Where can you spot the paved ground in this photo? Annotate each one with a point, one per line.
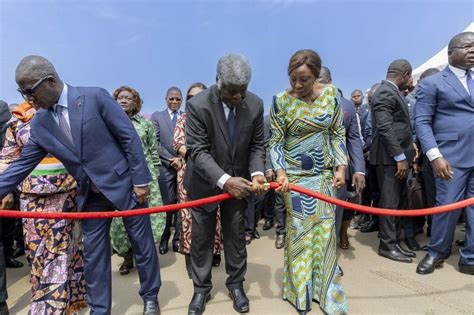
(374, 285)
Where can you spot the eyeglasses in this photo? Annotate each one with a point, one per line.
(410, 88)
(464, 47)
(174, 99)
(31, 91)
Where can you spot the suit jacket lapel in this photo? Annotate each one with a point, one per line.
(168, 121)
(401, 97)
(218, 110)
(51, 124)
(75, 110)
(452, 80)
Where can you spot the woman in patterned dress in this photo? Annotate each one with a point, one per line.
(307, 148)
(129, 99)
(179, 145)
(57, 277)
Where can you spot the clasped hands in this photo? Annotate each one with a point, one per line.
(240, 188)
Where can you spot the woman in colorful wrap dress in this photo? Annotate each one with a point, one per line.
(179, 145)
(307, 148)
(129, 99)
(57, 277)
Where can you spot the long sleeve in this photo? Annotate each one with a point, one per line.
(337, 136)
(11, 149)
(277, 134)
(153, 146)
(179, 138)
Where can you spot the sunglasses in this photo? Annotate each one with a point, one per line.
(174, 99)
(26, 93)
(410, 88)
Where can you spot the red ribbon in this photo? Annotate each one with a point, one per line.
(225, 196)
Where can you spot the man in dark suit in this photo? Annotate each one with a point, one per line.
(224, 135)
(110, 170)
(392, 153)
(165, 123)
(444, 120)
(355, 174)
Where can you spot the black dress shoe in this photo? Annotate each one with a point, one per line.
(151, 308)
(4, 308)
(460, 243)
(216, 260)
(280, 241)
(467, 269)
(19, 251)
(198, 303)
(163, 248)
(428, 264)
(404, 251)
(412, 244)
(11, 262)
(370, 227)
(241, 302)
(267, 225)
(256, 235)
(127, 264)
(175, 246)
(395, 255)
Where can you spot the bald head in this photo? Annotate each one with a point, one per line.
(33, 68)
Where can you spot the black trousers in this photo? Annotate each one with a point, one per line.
(393, 195)
(203, 231)
(169, 194)
(275, 209)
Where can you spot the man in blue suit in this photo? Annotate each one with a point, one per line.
(92, 136)
(356, 169)
(444, 121)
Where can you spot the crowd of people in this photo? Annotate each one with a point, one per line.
(407, 147)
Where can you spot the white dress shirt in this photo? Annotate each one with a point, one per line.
(223, 179)
(434, 153)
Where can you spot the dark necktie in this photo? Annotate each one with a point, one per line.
(63, 124)
(231, 124)
(470, 83)
(175, 118)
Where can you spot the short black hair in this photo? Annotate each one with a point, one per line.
(457, 38)
(399, 66)
(428, 72)
(173, 89)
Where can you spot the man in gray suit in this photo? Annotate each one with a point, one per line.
(165, 123)
(224, 136)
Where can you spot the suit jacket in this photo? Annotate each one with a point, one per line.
(444, 118)
(391, 128)
(353, 142)
(165, 135)
(106, 148)
(211, 152)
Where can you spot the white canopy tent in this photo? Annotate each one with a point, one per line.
(439, 60)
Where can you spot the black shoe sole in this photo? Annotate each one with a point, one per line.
(466, 270)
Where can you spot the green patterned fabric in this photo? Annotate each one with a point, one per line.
(118, 234)
(308, 141)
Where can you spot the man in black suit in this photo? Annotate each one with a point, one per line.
(224, 135)
(392, 153)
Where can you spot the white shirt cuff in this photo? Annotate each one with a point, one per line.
(433, 154)
(361, 173)
(222, 180)
(400, 157)
(256, 173)
(142, 185)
